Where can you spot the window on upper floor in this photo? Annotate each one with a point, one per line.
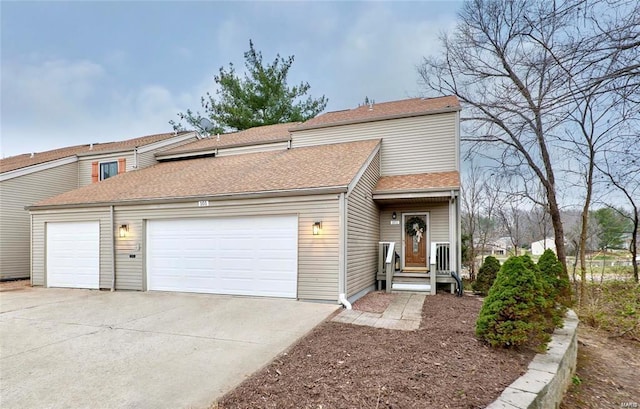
(108, 169)
(105, 170)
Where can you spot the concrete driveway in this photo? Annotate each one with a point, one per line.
(63, 348)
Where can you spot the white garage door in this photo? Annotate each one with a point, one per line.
(73, 254)
(244, 256)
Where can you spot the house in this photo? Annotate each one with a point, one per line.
(538, 247)
(498, 247)
(30, 178)
(306, 211)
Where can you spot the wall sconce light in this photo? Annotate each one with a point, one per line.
(317, 226)
(123, 230)
(394, 216)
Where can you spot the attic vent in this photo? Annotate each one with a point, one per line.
(91, 147)
(33, 154)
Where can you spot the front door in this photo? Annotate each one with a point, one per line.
(415, 241)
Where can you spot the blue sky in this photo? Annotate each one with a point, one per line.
(81, 72)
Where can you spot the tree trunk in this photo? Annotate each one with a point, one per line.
(634, 245)
(554, 210)
(582, 249)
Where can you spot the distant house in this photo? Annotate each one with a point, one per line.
(497, 247)
(538, 247)
(299, 211)
(29, 178)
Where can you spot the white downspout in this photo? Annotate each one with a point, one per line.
(31, 249)
(113, 251)
(343, 300)
(135, 158)
(453, 233)
(342, 258)
(459, 235)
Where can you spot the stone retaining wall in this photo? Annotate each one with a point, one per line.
(549, 374)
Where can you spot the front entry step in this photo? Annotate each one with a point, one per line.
(411, 287)
(403, 273)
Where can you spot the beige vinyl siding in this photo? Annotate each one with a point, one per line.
(409, 145)
(317, 255)
(17, 193)
(363, 231)
(146, 159)
(438, 221)
(84, 164)
(253, 148)
(40, 220)
(129, 250)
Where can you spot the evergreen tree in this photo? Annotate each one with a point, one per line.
(486, 275)
(261, 97)
(514, 313)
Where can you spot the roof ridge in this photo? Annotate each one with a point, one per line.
(379, 111)
(291, 170)
(27, 159)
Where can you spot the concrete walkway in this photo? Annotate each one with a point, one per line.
(404, 313)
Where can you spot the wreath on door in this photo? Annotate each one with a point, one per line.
(415, 227)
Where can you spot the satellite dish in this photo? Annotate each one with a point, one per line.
(206, 125)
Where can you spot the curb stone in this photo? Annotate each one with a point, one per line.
(549, 374)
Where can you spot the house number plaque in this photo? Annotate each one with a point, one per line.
(203, 203)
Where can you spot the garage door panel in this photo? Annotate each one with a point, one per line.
(73, 254)
(271, 267)
(243, 256)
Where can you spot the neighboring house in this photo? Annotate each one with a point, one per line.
(498, 247)
(291, 210)
(30, 178)
(538, 247)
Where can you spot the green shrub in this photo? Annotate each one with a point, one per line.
(486, 275)
(514, 313)
(550, 272)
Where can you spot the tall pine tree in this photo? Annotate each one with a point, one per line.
(260, 97)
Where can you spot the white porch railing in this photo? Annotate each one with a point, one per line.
(440, 258)
(439, 265)
(386, 260)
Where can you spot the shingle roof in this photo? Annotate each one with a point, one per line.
(381, 111)
(25, 160)
(323, 166)
(418, 182)
(254, 136)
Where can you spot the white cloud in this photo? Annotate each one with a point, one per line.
(52, 102)
(57, 103)
(379, 53)
(50, 90)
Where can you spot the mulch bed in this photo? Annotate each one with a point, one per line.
(376, 302)
(441, 365)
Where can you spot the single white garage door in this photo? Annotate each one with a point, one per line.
(73, 254)
(243, 256)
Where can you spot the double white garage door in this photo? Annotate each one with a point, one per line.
(244, 256)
